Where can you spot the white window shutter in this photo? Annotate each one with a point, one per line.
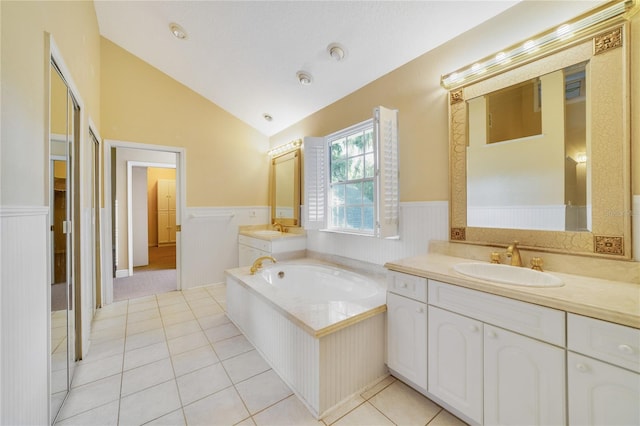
(386, 131)
(315, 182)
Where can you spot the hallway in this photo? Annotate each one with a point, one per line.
(175, 359)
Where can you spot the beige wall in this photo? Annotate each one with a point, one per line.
(225, 159)
(25, 69)
(414, 89)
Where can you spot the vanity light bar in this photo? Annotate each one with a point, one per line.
(522, 52)
(290, 146)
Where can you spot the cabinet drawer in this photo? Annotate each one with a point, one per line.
(531, 320)
(255, 243)
(613, 343)
(407, 285)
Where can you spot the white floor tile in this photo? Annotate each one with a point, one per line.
(382, 384)
(142, 326)
(175, 308)
(213, 321)
(222, 408)
(110, 323)
(146, 376)
(195, 359)
(90, 396)
(187, 343)
(146, 355)
(149, 404)
(246, 365)
(104, 349)
(105, 415)
(146, 338)
(90, 371)
(147, 314)
(177, 317)
(222, 332)
(201, 383)
(405, 406)
(206, 311)
(445, 418)
(288, 412)
(366, 414)
(263, 390)
(182, 328)
(233, 346)
(175, 418)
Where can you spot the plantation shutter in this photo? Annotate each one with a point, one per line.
(386, 131)
(315, 182)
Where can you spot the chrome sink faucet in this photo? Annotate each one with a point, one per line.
(514, 253)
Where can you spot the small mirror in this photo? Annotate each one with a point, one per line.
(285, 188)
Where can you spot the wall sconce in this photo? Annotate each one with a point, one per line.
(581, 157)
(281, 149)
(542, 43)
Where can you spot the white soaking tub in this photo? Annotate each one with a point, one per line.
(320, 327)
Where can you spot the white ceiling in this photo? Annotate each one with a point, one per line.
(244, 55)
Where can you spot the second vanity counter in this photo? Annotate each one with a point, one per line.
(614, 301)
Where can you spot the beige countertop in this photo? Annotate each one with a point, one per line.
(258, 232)
(614, 301)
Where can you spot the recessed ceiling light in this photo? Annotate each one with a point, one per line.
(267, 117)
(336, 51)
(304, 78)
(177, 31)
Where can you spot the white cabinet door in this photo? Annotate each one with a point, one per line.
(524, 380)
(455, 361)
(407, 338)
(246, 255)
(602, 394)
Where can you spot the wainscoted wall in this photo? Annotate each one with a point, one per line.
(209, 241)
(24, 318)
(419, 223)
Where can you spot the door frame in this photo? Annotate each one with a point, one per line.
(130, 166)
(181, 202)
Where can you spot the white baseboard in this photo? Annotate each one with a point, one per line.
(122, 273)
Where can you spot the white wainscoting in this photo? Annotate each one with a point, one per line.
(420, 222)
(24, 316)
(209, 241)
(323, 372)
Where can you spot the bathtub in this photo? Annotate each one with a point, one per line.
(320, 327)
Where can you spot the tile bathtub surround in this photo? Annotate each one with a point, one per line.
(176, 359)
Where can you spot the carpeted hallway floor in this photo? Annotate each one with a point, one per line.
(159, 276)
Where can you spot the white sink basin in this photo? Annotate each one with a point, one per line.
(507, 274)
(267, 233)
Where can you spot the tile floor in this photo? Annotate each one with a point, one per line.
(176, 359)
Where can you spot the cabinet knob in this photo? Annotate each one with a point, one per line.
(492, 334)
(626, 349)
(420, 310)
(473, 328)
(582, 367)
(403, 285)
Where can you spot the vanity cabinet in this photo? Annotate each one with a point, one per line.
(524, 380)
(603, 363)
(407, 327)
(455, 361)
(504, 373)
(251, 248)
(491, 359)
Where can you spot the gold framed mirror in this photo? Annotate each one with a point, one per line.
(285, 188)
(601, 56)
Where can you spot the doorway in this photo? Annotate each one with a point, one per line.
(130, 183)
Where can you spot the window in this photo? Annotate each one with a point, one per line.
(351, 178)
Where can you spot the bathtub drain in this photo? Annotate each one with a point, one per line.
(281, 274)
